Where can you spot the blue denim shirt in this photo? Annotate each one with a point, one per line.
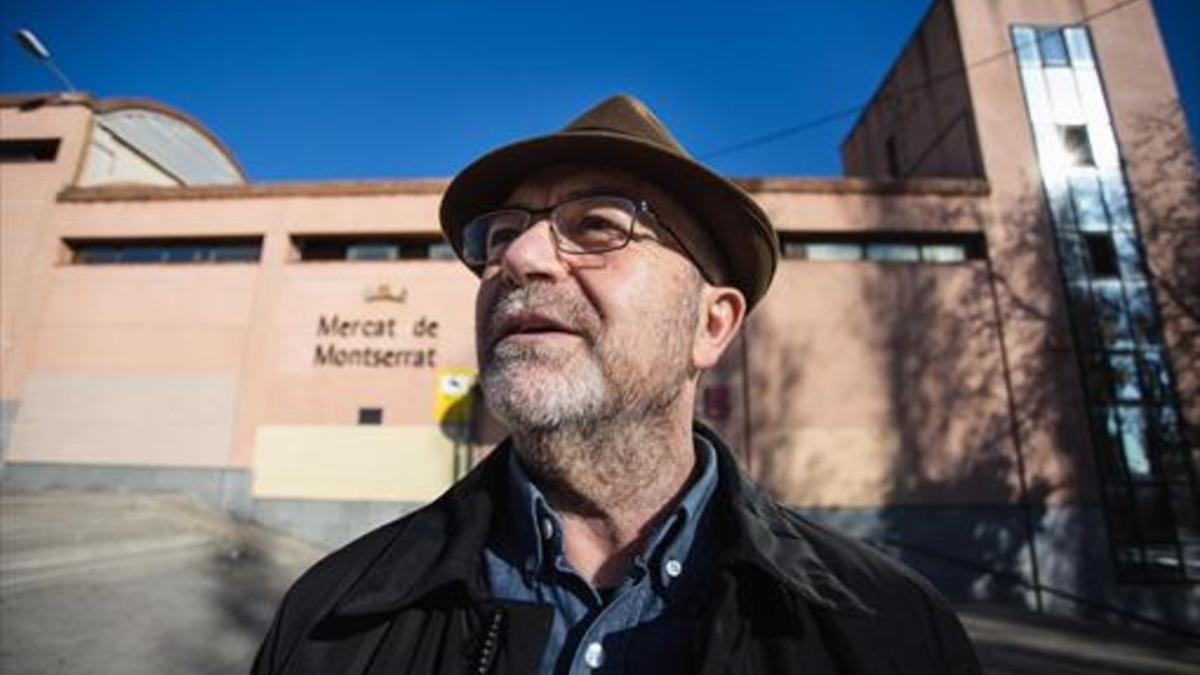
(641, 625)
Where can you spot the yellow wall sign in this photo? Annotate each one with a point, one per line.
(452, 401)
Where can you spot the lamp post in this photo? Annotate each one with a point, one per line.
(31, 44)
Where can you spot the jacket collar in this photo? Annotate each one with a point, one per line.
(441, 546)
(761, 535)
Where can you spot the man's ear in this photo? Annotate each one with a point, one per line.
(722, 310)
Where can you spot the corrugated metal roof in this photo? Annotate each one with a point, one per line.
(173, 145)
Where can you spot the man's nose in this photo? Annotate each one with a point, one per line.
(533, 254)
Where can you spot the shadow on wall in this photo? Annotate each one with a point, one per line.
(992, 488)
(776, 377)
(1166, 183)
(978, 427)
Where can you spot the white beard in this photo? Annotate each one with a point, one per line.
(533, 389)
(579, 383)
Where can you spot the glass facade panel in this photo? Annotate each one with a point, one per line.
(832, 251)
(1089, 205)
(1051, 154)
(1133, 441)
(1167, 428)
(1125, 377)
(1063, 96)
(1027, 49)
(1091, 96)
(943, 253)
(1141, 314)
(1156, 383)
(1148, 481)
(186, 253)
(143, 254)
(1053, 48)
(1129, 258)
(1073, 255)
(372, 252)
(1037, 99)
(1112, 322)
(894, 252)
(1078, 46)
(96, 255)
(441, 251)
(173, 251)
(243, 253)
(1104, 147)
(1113, 187)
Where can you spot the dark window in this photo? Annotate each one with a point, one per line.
(1077, 144)
(1053, 48)
(169, 250)
(929, 247)
(370, 415)
(371, 247)
(1102, 256)
(17, 150)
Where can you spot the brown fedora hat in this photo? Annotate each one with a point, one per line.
(734, 244)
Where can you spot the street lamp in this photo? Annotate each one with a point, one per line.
(30, 43)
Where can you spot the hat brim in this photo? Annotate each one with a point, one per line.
(736, 225)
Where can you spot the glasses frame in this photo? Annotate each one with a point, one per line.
(550, 214)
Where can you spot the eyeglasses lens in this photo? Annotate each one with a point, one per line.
(594, 225)
(588, 225)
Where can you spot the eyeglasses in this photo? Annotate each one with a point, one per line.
(580, 226)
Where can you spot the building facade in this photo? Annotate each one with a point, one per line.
(980, 351)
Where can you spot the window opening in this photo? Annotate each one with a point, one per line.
(887, 247)
(1077, 144)
(21, 150)
(180, 250)
(1102, 256)
(370, 247)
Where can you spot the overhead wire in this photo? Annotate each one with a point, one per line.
(779, 134)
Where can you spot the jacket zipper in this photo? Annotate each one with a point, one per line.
(490, 645)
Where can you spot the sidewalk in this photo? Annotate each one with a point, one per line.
(1014, 641)
(133, 584)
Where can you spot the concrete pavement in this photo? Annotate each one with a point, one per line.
(133, 584)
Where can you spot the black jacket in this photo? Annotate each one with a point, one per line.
(788, 596)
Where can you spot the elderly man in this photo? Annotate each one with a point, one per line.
(610, 533)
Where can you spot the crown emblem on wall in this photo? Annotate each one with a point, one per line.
(385, 292)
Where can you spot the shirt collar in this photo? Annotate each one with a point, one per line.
(441, 544)
(535, 530)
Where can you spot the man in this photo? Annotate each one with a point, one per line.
(610, 533)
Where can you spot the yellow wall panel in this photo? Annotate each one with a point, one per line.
(409, 463)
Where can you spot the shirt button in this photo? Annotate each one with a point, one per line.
(593, 655)
(674, 568)
(547, 528)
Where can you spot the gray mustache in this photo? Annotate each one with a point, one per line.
(554, 303)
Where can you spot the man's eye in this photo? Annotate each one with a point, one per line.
(596, 224)
(502, 236)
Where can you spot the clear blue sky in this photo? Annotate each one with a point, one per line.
(306, 90)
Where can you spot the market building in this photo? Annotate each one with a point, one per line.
(980, 351)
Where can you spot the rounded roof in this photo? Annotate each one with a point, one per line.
(171, 138)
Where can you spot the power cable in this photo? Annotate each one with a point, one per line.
(822, 120)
